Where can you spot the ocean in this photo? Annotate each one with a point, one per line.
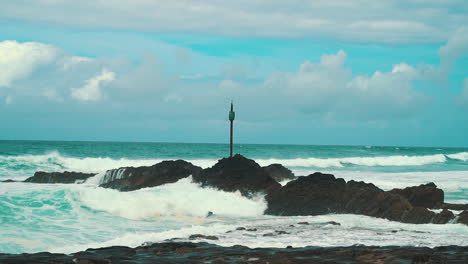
(72, 217)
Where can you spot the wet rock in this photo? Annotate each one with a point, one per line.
(185, 252)
(251, 229)
(418, 215)
(443, 217)
(199, 236)
(456, 207)
(279, 173)
(130, 178)
(333, 223)
(59, 177)
(240, 228)
(424, 195)
(237, 174)
(9, 180)
(303, 223)
(281, 232)
(463, 218)
(320, 193)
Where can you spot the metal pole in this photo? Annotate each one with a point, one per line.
(232, 116)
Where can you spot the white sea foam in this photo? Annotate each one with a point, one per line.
(362, 161)
(25, 165)
(183, 198)
(459, 156)
(354, 229)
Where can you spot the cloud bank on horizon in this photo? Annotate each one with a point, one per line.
(314, 72)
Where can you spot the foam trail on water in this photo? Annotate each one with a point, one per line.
(459, 156)
(183, 198)
(362, 161)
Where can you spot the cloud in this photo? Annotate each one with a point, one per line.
(463, 98)
(19, 60)
(392, 21)
(92, 89)
(329, 87)
(457, 45)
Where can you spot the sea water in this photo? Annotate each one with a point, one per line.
(73, 217)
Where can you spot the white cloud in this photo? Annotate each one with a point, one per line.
(19, 60)
(92, 89)
(385, 21)
(328, 86)
(456, 46)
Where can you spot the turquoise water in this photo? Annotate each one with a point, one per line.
(67, 218)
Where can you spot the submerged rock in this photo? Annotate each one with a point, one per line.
(424, 195)
(59, 177)
(199, 236)
(237, 174)
(279, 173)
(130, 178)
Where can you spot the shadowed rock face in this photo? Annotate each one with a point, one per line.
(424, 195)
(237, 174)
(130, 178)
(59, 177)
(443, 217)
(322, 193)
(463, 218)
(184, 252)
(279, 173)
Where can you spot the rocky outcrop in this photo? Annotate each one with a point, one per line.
(424, 195)
(130, 178)
(443, 217)
(185, 252)
(456, 207)
(59, 177)
(321, 193)
(279, 173)
(237, 174)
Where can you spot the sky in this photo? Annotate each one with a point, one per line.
(327, 72)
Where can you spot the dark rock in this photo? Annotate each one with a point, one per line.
(334, 223)
(443, 217)
(251, 229)
(59, 177)
(199, 236)
(424, 195)
(321, 193)
(184, 252)
(463, 218)
(269, 234)
(279, 172)
(130, 178)
(240, 228)
(456, 207)
(303, 223)
(281, 232)
(237, 174)
(9, 180)
(418, 215)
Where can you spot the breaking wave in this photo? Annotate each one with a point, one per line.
(25, 165)
(181, 199)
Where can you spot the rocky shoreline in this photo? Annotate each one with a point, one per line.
(315, 194)
(187, 253)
